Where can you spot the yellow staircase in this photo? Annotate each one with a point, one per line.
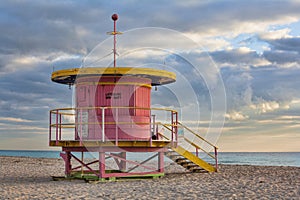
(188, 160)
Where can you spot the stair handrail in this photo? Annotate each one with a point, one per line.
(203, 139)
(162, 135)
(198, 147)
(190, 130)
(195, 145)
(197, 135)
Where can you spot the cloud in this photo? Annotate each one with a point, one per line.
(275, 34)
(263, 106)
(240, 57)
(55, 26)
(31, 27)
(12, 119)
(236, 116)
(282, 57)
(286, 44)
(24, 128)
(238, 86)
(234, 17)
(289, 117)
(262, 142)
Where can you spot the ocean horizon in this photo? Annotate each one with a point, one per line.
(228, 158)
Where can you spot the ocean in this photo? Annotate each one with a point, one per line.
(234, 158)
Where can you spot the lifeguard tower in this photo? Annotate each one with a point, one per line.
(113, 116)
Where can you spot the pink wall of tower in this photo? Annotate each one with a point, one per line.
(113, 91)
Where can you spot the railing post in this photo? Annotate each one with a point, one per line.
(59, 126)
(150, 125)
(50, 128)
(82, 157)
(156, 131)
(172, 127)
(176, 128)
(153, 125)
(103, 123)
(75, 123)
(117, 126)
(151, 130)
(216, 157)
(80, 139)
(56, 128)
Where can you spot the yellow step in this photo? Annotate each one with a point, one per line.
(188, 155)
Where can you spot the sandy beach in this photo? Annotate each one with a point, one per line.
(30, 178)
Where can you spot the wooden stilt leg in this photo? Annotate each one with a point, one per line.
(67, 158)
(123, 163)
(161, 162)
(101, 164)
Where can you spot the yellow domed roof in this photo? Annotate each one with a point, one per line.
(157, 76)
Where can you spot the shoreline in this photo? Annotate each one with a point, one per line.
(220, 164)
(30, 178)
(292, 159)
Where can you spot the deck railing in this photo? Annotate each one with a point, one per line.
(74, 119)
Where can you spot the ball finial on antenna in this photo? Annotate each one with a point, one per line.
(115, 17)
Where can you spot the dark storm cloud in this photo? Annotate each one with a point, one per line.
(272, 83)
(75, 26)
(250, 78)
(224, 15)
(282, 57)
(282, 51)
(30, 94)
(269, 83)
(238, 87)
(236, 56)
(286, 44)
(34, 26)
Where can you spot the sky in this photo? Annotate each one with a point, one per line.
(248, 48)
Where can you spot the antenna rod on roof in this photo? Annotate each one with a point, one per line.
(114, 33)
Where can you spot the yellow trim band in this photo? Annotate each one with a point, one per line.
(115, 83)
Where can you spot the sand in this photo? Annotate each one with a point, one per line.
(30, 178)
